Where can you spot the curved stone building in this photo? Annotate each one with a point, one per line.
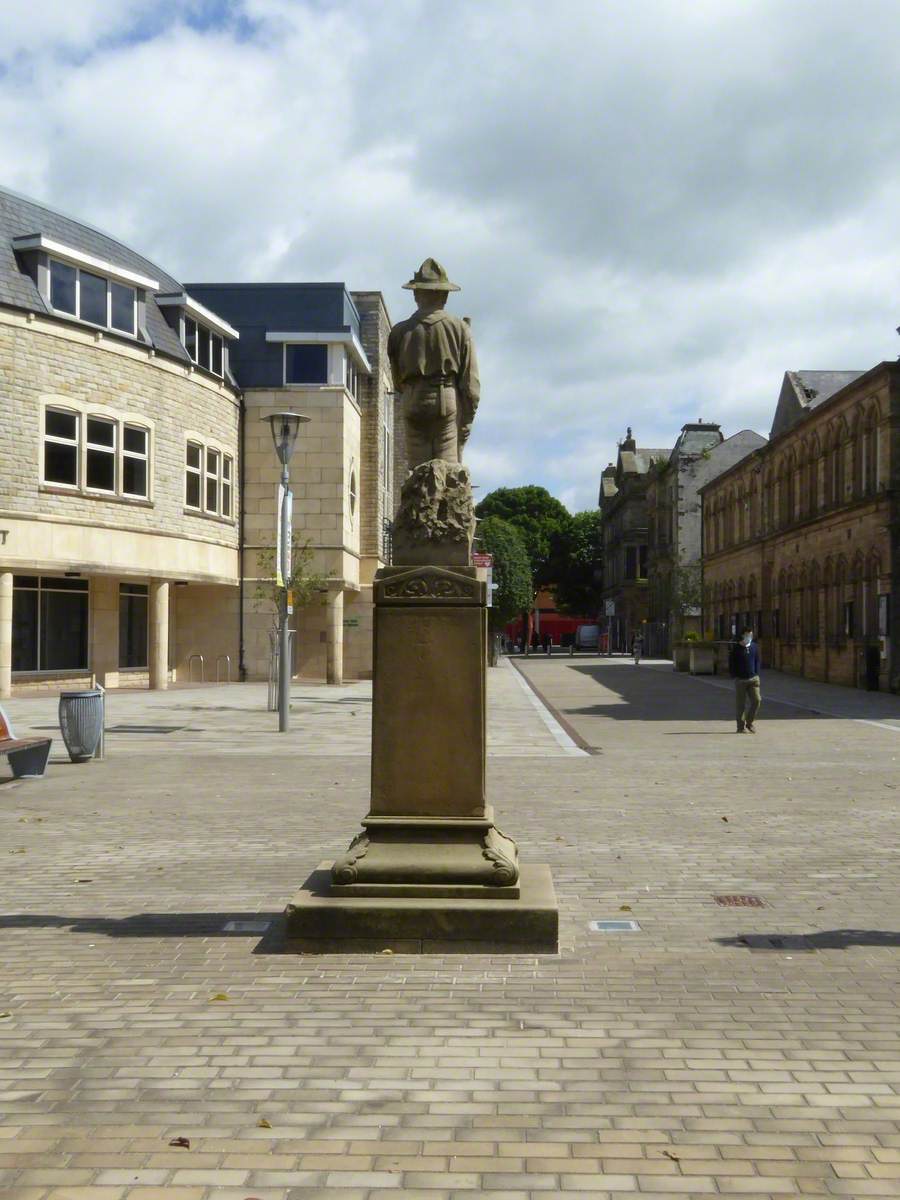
(138, 479)
(119, 444)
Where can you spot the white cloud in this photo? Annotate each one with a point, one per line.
(653, 210)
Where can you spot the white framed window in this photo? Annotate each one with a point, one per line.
(305, 362)
(61, 447)
(135, 460)
(100, 455)
(208, 479)
(95, 453)
(227, 468)
(204, 347)
(103, 302)
(193, 476)
(212, 502)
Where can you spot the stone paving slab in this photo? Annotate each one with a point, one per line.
(331, 721)
(732, 1052)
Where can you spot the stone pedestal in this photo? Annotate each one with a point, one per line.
(430, 869)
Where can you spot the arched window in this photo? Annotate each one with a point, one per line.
(871, 576)
(809, 600)
(753, 523)
(812, 477)
(869, 453)
(839, 614)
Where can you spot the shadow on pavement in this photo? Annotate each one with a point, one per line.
(827, 939)
(659, 694)
(149, 924)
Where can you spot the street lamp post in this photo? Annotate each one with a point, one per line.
(285, 427)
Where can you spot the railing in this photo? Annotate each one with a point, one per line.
(226, 658)
(191, 661)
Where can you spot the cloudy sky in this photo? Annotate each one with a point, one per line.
(654, 208)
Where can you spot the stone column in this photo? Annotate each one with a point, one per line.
(159, 634)
(6, 611)
(334, 638)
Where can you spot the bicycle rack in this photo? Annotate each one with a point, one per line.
(227, 660)
(191, 668)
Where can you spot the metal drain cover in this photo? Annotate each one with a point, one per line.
(739, 901)
(614, 927)
(246, 926)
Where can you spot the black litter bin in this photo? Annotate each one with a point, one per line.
(81, 722)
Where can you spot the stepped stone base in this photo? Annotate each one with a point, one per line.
(328, 918)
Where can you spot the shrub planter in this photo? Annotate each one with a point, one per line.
(81, 722)
(703, 658)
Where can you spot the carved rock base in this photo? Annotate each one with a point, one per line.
(397, 852)
(435, 522)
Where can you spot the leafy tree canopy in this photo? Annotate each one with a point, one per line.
(512, 570)
(574, 564)
(304, 583)
(536, 515)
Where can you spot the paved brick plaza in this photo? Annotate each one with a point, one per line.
(739, 1052)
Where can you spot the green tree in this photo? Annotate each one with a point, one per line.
(574, 564)
(306, 585)
(536, 515)
(512, 571)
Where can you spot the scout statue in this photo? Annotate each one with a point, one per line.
(433, 363)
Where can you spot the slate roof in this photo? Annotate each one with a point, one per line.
(802, 391)
(815, 387)
(638, 462)
(255, 309)
(20, 216)
(695, 439)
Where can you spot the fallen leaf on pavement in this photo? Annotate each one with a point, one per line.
(669, 1154)
(86, 879)
(262, 1123)
(220, 996)
(4, 1015)
(624, 908)
(725, 819)
(387, 952)
(182, 1142)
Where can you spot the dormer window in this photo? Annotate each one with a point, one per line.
(91, 297)
(201, 332)
(75, 284)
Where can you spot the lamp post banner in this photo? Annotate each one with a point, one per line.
(284, 536)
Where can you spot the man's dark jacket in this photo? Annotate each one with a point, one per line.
(743, 661)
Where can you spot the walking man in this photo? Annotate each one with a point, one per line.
(637, 648)
(743, 665)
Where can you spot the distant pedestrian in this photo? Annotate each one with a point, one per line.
(535, 641)
(743, 666)
(547, 643)
(637, 648)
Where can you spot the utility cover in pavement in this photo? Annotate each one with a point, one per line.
(614, 927)
(246, 926)
(739, 901)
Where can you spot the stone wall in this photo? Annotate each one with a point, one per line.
(801, 529)
(42, 360)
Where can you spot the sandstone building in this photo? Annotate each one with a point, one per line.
(800, 538)
(624, 605)
(137, 479)
(674, 567)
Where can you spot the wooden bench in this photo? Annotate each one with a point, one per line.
(27, 756)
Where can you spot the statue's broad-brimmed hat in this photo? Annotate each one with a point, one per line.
(431, 277)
